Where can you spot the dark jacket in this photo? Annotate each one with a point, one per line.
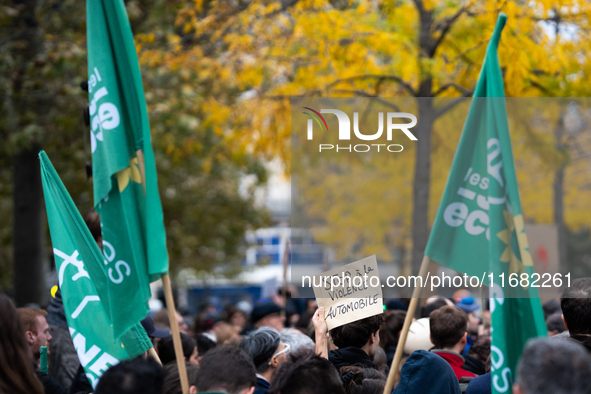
(262, 386)
(584, 340)
(474, 365)
(480, 385)
(50, 385)
(350, 356)
(427, 373)
(390, 350)
(62, 358)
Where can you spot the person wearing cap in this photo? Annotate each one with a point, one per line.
(155, 334)
(470, 306)
(267, 314)
(268, 352)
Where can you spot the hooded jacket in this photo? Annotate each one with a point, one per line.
(350, 356)
(427, 373)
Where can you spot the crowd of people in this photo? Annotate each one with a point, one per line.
(285, 348)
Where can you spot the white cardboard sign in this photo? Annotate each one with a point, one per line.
(349, 293)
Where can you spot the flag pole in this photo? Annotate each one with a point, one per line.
(168, 298)
(416, 294)
(176, 336)
(154, 355)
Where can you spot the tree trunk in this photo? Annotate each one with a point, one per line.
(421, 182)
(29, 272)
(558, 189)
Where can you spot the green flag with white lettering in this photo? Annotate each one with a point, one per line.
(479, 228)
(124, 171)
(79, 262)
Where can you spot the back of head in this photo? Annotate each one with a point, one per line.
(306, 373)
(356, 334)
(555, 324)
(448, 325)
(392, 328)
(551, 307)
(480, 349)
(227, 369)
(554, 367)
(16, 369)
(358, 380)
(261, 344)
(432, 305)
(172, 380)
(576, 306)
(135, 376)
(426, 372)
(204, 344)
(166, 348)
(296, 340)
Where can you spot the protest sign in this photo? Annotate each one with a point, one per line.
(349, 293)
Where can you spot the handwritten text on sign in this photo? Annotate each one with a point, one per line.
(349, 293)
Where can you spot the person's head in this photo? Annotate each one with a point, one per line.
(16, 370)
(306, 373)
(204, 345)
(162, 320)
(172, 380)
(266, 349)
(35, 328)
(135, 376)
(226, 333)
(390, 334)
(551, 307)
(359, 380)
(549, 366)
(448, 326)
(166, 353)
(226, 369)
(480, 349)
(237, 317)
(555, 324)
(267, 314)
(296, 340)
(433, 303)
(363, 334)
(576, 306)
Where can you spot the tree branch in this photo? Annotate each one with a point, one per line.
(443, 109)
(465, 92)
(380, 78)
(443, 26)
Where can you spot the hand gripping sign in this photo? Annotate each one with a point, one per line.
(349, 293)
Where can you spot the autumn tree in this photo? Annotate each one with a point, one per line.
(246, 59)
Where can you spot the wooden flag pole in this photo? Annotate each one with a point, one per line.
(154, 355)
(174, 325)
(416, 294)
(176, 336)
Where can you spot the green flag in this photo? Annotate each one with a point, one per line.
(479, 227)
(79, 262)
(134, 240)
